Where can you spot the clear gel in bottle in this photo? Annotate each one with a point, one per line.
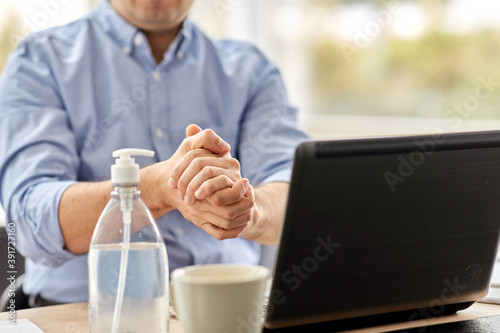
(128, 265)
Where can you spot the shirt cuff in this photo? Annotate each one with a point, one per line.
(280, 176)
(41, 238)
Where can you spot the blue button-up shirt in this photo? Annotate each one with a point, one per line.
(71, 95)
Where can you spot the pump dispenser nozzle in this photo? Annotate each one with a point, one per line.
(125, 173)
(125, 170)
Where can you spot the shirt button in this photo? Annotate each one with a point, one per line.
(157, 76)
(138, 40)
(126, 50)
(180, 54)
(159, 133)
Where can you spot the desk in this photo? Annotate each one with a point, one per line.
(73, 318)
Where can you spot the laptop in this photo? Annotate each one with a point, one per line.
(386, 229)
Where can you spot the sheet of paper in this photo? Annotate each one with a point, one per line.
(21, 326)
(494, 292)
(495, 277)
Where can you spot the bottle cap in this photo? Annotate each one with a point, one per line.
(125, 170)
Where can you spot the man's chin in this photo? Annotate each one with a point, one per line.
(155, 4)
(157, 21)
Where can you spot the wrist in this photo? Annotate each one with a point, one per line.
(255, 230)
(154, 190)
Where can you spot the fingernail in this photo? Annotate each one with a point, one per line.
(246, 183)
(189, 200)
(171, 182)
(181, 195)
(199, 194)
(223, 145)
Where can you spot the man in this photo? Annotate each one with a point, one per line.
(136, 73)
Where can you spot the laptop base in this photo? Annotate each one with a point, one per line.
(375, 320)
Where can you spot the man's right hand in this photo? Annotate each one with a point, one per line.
(229, 215)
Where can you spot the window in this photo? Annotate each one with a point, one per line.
(376, 67)
(20, 18)
(353, 68)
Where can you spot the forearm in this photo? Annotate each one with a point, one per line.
(81, 206)
(79, 209)
(270, 203)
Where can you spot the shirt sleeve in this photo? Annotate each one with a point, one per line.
(38, 158)
(269, 129)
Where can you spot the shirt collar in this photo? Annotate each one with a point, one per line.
(124, 33)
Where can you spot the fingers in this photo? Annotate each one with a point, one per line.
(221, 222)
(229, 195)
(206, 175)
(229, 222)
(206, 139)
(214, 196)
(221, 234)
(213, 185)
(202, 164)
(192, 130)
(226, 217)
(244, 216)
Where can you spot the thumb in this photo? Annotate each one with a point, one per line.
(192, 130)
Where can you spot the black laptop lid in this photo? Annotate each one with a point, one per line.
(381, 225)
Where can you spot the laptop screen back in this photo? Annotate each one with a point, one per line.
(382, 225)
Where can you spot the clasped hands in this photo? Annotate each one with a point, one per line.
(210, 191)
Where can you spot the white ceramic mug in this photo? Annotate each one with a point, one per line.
(223, 298)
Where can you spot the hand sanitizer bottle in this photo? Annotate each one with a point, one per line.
(128, 265)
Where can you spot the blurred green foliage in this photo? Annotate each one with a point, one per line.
(11, 31)
(8, 37)
(401, 77)
(420, 77)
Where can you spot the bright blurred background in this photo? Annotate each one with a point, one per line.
(353, 67)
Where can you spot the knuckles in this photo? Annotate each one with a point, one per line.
(219, 235)
(192, 155)
(228, 214)
(181, 185)
(248, 215)
(209, 135)
(198, 163)
(209, 187)
(209, 171)
(232, 216)
(234, 163)
(217, 201)
(222, 234)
